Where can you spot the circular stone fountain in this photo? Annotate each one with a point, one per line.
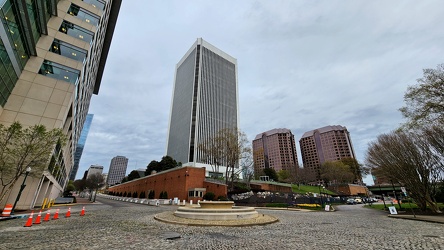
(216, 210)
(216, 213)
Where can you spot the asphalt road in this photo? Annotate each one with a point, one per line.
(117, 225)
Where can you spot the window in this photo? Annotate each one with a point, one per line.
(96, 4)
(196, 192)
(83, 15)
(76, 31)
(60, 72)
(68, 50)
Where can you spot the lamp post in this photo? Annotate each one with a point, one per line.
(320, 195)
(28, 170)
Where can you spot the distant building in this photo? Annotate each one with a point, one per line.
(117, 170)
(80, 146)
(94, 169)
(141, 172)
(330, 143)
(275, 149)
(205, 100)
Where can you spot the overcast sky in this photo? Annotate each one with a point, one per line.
(302, 65)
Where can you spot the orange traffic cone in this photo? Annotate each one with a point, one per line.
(48, 214)
(29, 222)
(56, 215)
(37, 220)
(82, 213)
(68, 214)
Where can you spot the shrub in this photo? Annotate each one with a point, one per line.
(151, 194)
(276, 205)
(209, 196)
(222, 198)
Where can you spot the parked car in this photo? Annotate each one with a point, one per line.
(351, 201)
(358, 200)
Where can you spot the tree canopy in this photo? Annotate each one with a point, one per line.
(133, 175)
(271, 173)
(336, 172)
(166, 163)
(21, 148)
(425, 101)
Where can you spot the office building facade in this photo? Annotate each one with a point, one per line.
(205, 101)
(53, 55)
(117, 170)
(275, 149)
(330, 143)
(94, 169)
(80, 146)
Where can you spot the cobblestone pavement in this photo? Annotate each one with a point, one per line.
(133, 227)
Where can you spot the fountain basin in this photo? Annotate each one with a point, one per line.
(216, 210)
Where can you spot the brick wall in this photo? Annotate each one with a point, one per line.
(176, 182)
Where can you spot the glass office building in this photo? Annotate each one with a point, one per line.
(52, 57)
(80, 146)
(205, 100)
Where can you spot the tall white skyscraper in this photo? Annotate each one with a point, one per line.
(117, 170)
(205, 100)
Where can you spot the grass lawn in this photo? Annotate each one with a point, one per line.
(303, 189)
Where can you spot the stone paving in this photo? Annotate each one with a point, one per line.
(134, 227)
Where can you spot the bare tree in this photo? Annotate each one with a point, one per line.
(225, 149)
(21, 148)
(212, 151)
(425, 101)
(94, 182)
(302, 176)
(408, 158)
(247, 165)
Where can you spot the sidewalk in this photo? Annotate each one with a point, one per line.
(25, 213)
(427, 218)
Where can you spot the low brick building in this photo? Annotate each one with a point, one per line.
(185, 183)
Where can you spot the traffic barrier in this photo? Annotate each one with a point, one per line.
(37, 220)
(7, 210)
(44, 203)
(29, 221)
(48, 214)
(56, 215)
(82, 213)
(68, 214)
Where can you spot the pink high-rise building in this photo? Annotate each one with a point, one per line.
(330, 143)
(275, 149)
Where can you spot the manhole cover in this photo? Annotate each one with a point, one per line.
(171, 235)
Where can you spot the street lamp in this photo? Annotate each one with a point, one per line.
(28, 170)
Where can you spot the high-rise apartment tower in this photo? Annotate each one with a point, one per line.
(275, 149)
(205, 100)
(117, 170)
(53, 55)
(330, 143)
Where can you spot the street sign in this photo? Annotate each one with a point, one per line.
(404, 191)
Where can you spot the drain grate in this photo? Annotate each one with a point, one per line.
(431, 236)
